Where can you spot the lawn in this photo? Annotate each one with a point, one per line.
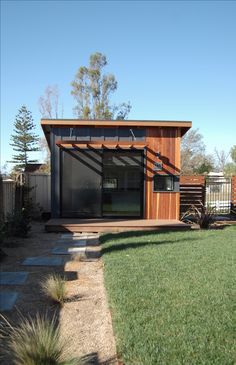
(172, 296)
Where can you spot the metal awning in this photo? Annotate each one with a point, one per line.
(102, 144)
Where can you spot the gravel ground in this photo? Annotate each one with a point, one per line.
(85, 318)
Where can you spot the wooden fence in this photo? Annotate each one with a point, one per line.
(36, 187)
(39, 186)
(192, 191)
(8, 197)
(233, 194)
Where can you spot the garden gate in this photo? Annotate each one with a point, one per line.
(218, 193)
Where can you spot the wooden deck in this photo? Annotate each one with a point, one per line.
(112, 225)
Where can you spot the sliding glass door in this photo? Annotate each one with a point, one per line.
(81, 182)
(122, 184)
(96, 183)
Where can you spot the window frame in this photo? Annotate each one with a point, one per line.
(175, 188)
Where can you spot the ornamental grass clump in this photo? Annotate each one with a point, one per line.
(54, 287)
(36, 342)
(201, 215)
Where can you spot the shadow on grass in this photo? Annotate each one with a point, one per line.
(130, 245)
(123, 235)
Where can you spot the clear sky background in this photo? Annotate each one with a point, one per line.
(173, 60)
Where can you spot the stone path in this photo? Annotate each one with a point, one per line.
(13, 278)
(69, 244)
(7, 300)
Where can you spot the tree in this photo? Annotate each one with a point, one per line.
(194, 160)
(230, 167)
(45, 155)
(92, 90)
(221, 159)
(49, 103)
(24, 140)
(206, 166)
(233, 153)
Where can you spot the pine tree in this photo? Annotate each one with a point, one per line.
(24, 140)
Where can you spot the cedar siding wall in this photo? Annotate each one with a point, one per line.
(166, 141)
(233, 194)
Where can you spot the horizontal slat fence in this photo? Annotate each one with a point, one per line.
(192, 191)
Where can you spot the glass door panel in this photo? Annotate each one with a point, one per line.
(81, 183)
(122, 184)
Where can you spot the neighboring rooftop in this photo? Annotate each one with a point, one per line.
(33, 167)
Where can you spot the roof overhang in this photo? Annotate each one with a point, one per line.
(101, 145)
(47, 124)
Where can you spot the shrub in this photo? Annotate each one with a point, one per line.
(202, 215)
(36, 342)
(2, 231)
(19, 223)
(54, 287)
(2, 236)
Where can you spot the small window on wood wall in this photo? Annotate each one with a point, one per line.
(163, 183)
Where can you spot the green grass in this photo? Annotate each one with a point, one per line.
(172, 296)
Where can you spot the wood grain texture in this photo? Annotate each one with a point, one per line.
(233, 193)
(112, 225)
(166, 141)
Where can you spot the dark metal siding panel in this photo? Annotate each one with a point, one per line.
(55, 175)
(109, 133)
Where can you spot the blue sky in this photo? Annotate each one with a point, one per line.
(173, 60)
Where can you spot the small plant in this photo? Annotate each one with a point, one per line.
(36, 342)
(202, 215)
(54, 287)
(2, 237)
(19, 224)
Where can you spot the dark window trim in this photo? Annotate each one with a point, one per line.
(175, 184)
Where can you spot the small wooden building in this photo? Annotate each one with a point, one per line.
(115, 168)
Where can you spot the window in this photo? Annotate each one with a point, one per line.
(163, 183)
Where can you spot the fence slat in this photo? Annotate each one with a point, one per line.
(8, 197)
(192, 191)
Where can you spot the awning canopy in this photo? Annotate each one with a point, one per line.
(102, 144)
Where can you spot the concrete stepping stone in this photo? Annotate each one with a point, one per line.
(43, 261)
(69, 235)
(67, 239)
(7, 300)
(67, 250)
(77, 243)
(13, 278)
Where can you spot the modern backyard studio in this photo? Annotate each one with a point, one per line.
(113, 175)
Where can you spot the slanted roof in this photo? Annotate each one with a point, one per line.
(47, 124)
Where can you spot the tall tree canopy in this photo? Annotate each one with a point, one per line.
(49, 103)
(92, 90)
(24, 140)
(194, 160)
(230, 167)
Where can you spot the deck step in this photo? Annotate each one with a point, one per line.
(73, 226)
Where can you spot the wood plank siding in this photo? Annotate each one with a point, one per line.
(233, 194)
(166, 141)
(158, 140)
